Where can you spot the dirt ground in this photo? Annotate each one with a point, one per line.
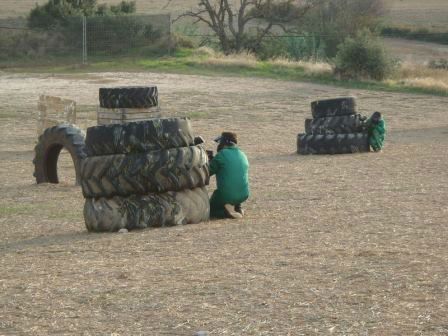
(342, 245)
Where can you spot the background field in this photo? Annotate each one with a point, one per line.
(342, 245)
(430, 13)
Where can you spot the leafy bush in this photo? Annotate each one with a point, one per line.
(115, 34)
(30, 44)
(181, 41)
(57, 12)
(362, 57)
(335, 20)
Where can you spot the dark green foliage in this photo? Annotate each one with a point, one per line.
(412, 33)
(362, 57)
(336, 20)
(108, 34)
(56, 12)
(52, 14)
(58, 30)
(31, 44)
(124, 7)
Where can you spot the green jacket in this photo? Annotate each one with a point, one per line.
(376, 133)
(232, 174)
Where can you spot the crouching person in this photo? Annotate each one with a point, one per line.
(231, 168)
(376, 128)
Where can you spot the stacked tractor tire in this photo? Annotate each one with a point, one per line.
(142, 174)
(336, 128)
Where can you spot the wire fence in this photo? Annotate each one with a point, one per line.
(81, 39)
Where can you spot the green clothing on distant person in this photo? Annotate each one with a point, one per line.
(377, 134)
(232, 177)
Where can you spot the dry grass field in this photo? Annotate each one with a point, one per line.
(13, 8)
(415, 51)
(331, 245)
(429, 13)
(432, 13)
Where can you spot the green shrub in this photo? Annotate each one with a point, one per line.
(55, 13)
(182, 41)
(362, 57)
(116, 34)
(31, 44)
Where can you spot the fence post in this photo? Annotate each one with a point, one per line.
(170, 41)
(84, 40)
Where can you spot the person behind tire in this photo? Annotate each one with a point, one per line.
(376, 128)
(231, 168)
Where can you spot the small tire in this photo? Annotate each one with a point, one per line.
(48, 148)
(335, 125)
(154, 210)
(143, 173)
(139, 137)
(333, 107)
(129, 97)
(332, 143)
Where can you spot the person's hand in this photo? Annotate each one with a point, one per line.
(198, 140)
(210, 155)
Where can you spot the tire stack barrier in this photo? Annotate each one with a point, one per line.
(128, 104)
(144, 174)
(48, 148)
(336, 128)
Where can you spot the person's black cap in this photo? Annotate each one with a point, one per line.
(227, 138)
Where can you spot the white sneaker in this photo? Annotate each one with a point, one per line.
(231, 213)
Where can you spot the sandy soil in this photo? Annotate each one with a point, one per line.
(342, 245)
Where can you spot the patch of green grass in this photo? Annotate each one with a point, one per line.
(184, 63)
(16, 209)
(197, 115)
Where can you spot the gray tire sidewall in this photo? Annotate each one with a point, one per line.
(138, 212)
(46, 152)
(153, 172)
(139, 137)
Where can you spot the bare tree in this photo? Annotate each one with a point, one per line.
(230, 22)
(337, 19)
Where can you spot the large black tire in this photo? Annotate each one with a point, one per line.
(48, 148)
(333, 107)
(154, 210)
(153, 172)
(139, 137)
(332, 143)
(335, 125)
(129, 97)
